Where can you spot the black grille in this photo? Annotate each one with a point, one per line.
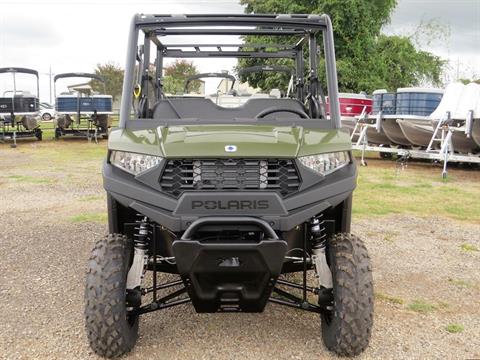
(230, 174)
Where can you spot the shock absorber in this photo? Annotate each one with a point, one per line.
(319, 257)
(141, 241)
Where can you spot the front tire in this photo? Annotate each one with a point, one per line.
(346, 329)
(111, 331)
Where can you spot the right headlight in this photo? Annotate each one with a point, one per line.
(327, 163)
(133, 163)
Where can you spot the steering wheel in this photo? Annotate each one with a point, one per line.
(272, 110)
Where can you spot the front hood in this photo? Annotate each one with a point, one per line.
(194, 141)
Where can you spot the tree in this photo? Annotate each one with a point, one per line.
(399, 64)
(468, 81)
(176, 74)
(113, 76)
(366, 59)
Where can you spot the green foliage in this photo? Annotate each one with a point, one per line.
(29, 179)
(468, 247)
(468, 81)
(461, 283)
(366, 59)
(113, 75)
(421, 306)
(454, 328)
(399, 64)
(176, 74)
(263, 80)
(89, 217)
(390, 299)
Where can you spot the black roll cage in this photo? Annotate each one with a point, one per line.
(306, 27)
(209, 75)
(265, 68)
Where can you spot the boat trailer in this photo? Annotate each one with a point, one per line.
(442, 135)
(19, 112)
(81, 106)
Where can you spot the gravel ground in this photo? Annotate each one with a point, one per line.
(45, 242)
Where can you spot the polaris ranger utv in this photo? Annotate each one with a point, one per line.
(231, 200)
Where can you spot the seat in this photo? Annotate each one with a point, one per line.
(200, 108)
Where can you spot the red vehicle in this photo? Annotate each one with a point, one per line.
(352, 106)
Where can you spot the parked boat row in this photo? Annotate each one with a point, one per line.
(21, 110)
(418, 118)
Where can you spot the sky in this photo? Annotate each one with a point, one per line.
(76, 35)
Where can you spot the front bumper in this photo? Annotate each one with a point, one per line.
(226, 275)
(143, 194)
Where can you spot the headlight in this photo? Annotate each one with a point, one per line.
(133, 163)
(325, 164)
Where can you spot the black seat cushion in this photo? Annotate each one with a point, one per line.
(200, 108)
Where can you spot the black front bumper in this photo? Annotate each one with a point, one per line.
(143, 194)
(229, 276)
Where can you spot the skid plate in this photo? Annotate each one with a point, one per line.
(229, 276)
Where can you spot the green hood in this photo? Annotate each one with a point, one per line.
(191, 141)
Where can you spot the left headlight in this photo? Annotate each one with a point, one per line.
(325, 164)
(133, 163)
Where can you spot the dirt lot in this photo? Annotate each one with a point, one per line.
(52, 208)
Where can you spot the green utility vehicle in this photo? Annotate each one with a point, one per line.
(229, 201)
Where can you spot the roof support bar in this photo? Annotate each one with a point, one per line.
(173, 31)
(158, 73)
(240, 46)
(332, 82)
(299, 83)
(127, 95)
(239, 54)
(145, 71)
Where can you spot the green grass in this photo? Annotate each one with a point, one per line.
(421, 306)
(389, 299)
(29, 179)
(461, 283)
(89, 217)
(389, 236)
(418, 190)
(468, 247)
(92, 198)
(454, 328)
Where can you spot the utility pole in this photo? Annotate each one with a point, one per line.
(50, 77)
(50, 83)
(458, 68)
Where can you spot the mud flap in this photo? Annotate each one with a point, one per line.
(229, 276)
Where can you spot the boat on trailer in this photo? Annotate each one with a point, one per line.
(413, 105)
(450, 115)
(19, 108)
(417, 132)
(383, 105)
(418, 129)
(81, 103)
(467, 102)
(475, 129)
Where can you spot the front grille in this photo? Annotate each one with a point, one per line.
(230, 175)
